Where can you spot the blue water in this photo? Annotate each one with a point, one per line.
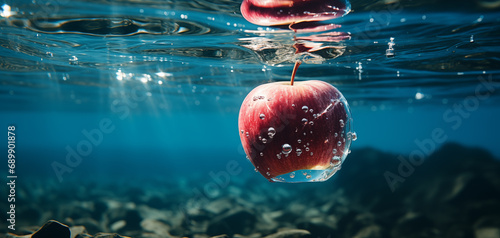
(167, 80)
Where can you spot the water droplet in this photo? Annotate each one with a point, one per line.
(311, 110)
(334, 151)
(307, 148)
(311, 153)
(268, 174)
(261, 154)
(336, 134)
(340, 121)
(256, 170)
(271, 132)
(311, 123)
(262, 116)
(308, 176)
(242, 131)
(247, 134)
(305, 108)
(299, 152)
(304, 120)
(292, 175)
(73, 60)
(293, 105)
(299, 141)
(264, 140)
(260, 137)
(315, 115)
(335, 160)
(354, 136)
(286, 149)
(278, 156)
(339, 143)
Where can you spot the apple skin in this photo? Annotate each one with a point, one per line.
(321, 132)
(284, 12)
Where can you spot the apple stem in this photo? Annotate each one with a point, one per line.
(295, 67)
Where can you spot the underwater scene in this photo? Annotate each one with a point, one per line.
(250, 118)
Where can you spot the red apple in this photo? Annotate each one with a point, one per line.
(284, 12)
(296, 133)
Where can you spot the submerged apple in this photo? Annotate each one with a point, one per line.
(296, 132)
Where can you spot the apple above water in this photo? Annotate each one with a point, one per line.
(296, 132)
(284, 12)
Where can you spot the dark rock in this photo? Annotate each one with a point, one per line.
(133, 219)
(362, 179)
(240, 221)
(292, 233)
(52, 229)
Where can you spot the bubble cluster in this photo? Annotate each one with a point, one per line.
(255, 98)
